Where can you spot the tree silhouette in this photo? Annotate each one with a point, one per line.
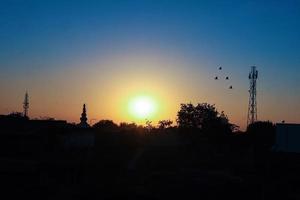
(106, 125)
(149, 125)
(17, 115)
(204, 117)
(128, 126)
(163, 124)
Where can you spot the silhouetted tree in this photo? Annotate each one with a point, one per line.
(204, 117)
(149, 125)
(163, 124)
(46, 118)
(128, 126)
(17, 115)
(106, 125)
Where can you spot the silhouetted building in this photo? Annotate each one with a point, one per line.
(287, 138)
(16, 121)
(83, 119)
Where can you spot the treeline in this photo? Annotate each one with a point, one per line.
(202, 117)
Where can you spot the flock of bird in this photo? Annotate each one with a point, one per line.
(226, 78)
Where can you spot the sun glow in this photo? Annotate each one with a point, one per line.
(142, 107)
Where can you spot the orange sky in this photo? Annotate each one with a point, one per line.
(107, 86)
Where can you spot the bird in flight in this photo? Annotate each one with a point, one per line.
(226, 78)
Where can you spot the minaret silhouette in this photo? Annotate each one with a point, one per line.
(83, 119)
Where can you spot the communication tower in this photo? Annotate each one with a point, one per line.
(26, 104)
(252, 108)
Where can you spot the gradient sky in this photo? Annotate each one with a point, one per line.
(103, 53)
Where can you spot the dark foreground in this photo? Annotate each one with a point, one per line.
(68, 163)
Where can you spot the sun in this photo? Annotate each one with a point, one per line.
(142, 107)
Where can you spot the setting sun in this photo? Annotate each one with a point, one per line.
(142, 107)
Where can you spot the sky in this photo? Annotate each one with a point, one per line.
(105, 53)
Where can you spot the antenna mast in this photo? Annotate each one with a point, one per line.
(26, 104)
(252, 108)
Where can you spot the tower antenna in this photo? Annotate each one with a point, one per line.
(252, 107)
(26, 104)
